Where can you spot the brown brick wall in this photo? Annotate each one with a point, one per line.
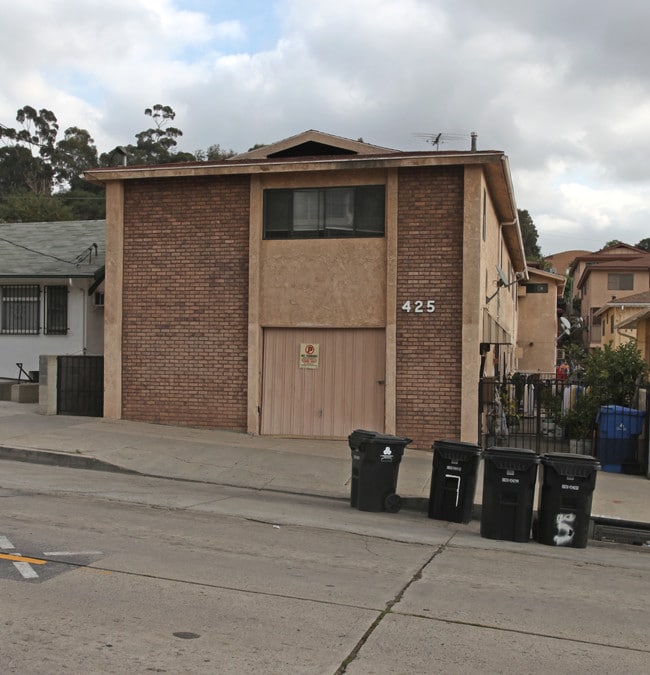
(430, 246)
(185, 301)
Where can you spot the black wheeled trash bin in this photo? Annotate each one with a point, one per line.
(375, 466)
(509, 477)
(567, 484)
(453, 480)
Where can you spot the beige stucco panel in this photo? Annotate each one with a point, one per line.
(113, 301)
(472, 272)
(328, 283)
(537, 330)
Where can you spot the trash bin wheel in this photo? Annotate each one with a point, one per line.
(392, 503)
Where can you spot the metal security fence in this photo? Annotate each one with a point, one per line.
(545, 414)
(80, 385)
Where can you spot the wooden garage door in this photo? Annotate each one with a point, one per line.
(334, 388)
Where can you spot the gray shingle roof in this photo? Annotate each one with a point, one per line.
(52, 249)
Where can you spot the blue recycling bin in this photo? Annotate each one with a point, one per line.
(618, 437)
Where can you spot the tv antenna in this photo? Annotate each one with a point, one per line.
(440, 138)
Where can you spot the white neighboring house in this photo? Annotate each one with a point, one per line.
(51, 291)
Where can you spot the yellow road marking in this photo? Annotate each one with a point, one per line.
(20, 558)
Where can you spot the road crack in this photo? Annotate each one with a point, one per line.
(389, 607)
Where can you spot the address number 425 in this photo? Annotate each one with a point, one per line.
(419, 306)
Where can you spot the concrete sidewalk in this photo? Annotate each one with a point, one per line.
(303, 466)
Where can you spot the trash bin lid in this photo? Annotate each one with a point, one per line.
(570, 464)
(456, 448)
(387, 439)
(517, 458)
(526, 453)
(359, 436)
(620, 410)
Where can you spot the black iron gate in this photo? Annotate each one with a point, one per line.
(80, 385)
(528, 412)
(545, 415)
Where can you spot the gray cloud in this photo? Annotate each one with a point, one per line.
(560, 86)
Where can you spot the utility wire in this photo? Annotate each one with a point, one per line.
(77, 261)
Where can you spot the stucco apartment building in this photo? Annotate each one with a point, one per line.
(625, 320)
(537, 319)
(311, 287)
(612, 273)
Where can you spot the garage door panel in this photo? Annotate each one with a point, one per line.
(342, 393)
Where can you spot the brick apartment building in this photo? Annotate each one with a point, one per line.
(310, 287)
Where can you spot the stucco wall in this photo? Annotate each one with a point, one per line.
(327, 283)
(502, 305)
(538, 328)
(322, 282)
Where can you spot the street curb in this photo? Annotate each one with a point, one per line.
(70, 461)
(600, 528)
(66, 460)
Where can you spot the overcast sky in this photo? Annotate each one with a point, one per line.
(561, 86)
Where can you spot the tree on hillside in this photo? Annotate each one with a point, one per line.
(213, 153)
(75, 153)
(37, 171)
(28, 207)
(155, 145)
(41, 175)
(29, 150)
(613, 242)
(529, 235)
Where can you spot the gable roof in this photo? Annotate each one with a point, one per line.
(558, 279)
(313, 143)
(619, 248)
(638, 301)
(628, 263)
(345, 154)
(71, 248)
(616, 252)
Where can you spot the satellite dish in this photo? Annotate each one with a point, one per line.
(503, 279)
(566, 327)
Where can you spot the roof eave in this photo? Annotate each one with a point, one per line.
(329, 163)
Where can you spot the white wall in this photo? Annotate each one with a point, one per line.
(85, 323)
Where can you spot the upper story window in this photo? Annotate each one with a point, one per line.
(536, 288)
(620, 281)
(307, 213)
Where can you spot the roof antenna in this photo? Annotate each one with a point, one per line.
(437, 139)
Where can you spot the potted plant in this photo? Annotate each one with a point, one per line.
(579, 423)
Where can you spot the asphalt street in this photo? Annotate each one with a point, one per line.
(141, 574)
